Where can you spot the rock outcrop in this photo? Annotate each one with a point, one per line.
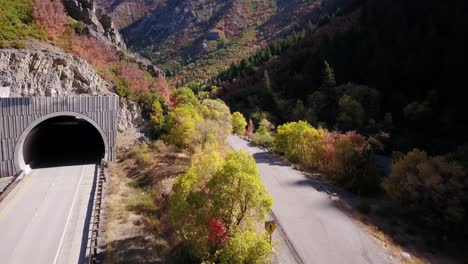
(101, 26)
(98, 24)
(39, 73)
(43, 73)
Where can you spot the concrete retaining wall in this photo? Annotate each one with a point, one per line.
(19, 115)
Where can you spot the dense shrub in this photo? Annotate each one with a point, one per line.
(247, 248)
(124, 88)
(432, 184)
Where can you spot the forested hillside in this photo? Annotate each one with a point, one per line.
(193, 40)
(407, 58)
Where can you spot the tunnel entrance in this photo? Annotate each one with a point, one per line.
(62, 141)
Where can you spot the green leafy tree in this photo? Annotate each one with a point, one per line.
(185, 95)
(238, 123)
(237, 190)
(300, 142)
(263, 136)
(181, 126)
(157, 118)
(318, 102)
(351, 114)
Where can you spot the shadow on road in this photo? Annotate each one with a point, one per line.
(268, 158)
(87, 225)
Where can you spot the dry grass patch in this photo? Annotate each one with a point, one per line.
(137, 229)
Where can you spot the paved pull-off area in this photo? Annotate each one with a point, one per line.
(317, 231)
(44, 218)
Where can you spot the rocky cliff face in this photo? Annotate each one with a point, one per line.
(98, 24)
(43, 73)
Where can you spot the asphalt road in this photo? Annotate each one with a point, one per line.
(43, 219)
(317, 230)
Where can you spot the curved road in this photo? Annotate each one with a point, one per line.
(317, 230)
(43, 219)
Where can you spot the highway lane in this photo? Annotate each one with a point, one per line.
(43, 219)
(317, 230)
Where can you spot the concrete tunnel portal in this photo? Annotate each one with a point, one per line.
(38, 132)
(62, 141)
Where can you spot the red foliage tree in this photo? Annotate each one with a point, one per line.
(250, 129)
(139, 79)
(94, 51)
(217, 234)
(51, 16)
(164, 90)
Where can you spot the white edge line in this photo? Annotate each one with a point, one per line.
(69, 217)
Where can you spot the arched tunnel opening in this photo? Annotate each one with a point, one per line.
(63, 141)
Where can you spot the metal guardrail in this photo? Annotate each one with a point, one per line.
(96, 218)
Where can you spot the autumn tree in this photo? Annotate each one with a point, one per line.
(182, 124)
(353, 166)
(185, 95)
(189, 207)
(238, 123)
(300, 142)
(94, 51)
(236, 190)
(215, 201)
(250, 129)
(434, 185)
(51, 16)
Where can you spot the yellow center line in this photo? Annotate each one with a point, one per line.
(15, 197)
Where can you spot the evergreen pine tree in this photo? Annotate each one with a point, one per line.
(267, 81)
(328, 77)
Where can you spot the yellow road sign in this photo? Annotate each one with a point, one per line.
(270, 226)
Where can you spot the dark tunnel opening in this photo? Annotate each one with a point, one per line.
(63, 141)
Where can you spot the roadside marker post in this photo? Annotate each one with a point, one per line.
(270, 227)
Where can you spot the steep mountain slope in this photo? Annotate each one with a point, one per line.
(193, 40)
(69, 51)
(126, 12)
(414, 57)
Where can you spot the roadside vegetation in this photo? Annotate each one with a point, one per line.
(205, 205)
(421, 204)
